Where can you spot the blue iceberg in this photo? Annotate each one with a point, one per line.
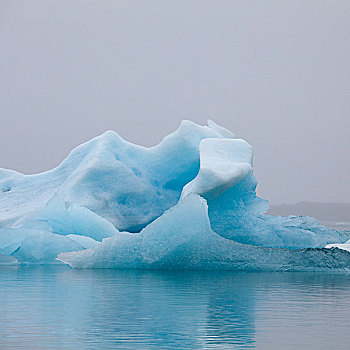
(187, 203)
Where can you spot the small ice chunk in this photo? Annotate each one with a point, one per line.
(344, 246)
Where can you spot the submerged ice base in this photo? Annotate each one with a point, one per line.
(189, 202)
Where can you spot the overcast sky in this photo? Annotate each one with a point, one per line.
(276, 73)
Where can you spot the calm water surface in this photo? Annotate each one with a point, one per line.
(61, 308)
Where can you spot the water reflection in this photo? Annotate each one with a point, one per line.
(56, 307)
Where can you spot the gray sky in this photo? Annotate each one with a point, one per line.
(276, 73)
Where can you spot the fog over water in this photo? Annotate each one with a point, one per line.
(275, 73)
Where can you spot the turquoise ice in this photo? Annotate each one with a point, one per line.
(189, 202)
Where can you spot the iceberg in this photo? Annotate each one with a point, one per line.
(187, 203)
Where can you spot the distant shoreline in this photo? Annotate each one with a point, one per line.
(336, 215)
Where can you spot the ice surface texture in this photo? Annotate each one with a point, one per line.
(189, 202)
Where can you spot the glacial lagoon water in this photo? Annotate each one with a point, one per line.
(55, 307)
